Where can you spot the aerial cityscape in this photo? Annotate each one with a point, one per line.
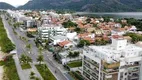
(72, 40)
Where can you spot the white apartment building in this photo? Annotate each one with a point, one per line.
(30, 23)
(118, 61)
(52, 29)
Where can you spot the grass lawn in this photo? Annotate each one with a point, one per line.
(25, 66)
(76, 75)
(10, 71)
(45, 72)
(75, 64)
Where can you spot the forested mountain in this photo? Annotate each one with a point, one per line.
(86, 5)
(4, 5)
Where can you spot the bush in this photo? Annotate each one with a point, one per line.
(10, 71)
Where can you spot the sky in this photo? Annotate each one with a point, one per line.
(15, 2)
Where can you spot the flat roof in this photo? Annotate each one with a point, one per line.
(59, 37)
(110, 50)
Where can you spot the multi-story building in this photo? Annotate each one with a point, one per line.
(117, 61)
(50, 29)
(30, 23)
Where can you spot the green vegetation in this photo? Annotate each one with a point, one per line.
(75, 64)
(25, 66)
(76, 75)
(136, 22)
(78, 30)
(8, 46)
(10, 71)
(69, 24)
(87, 5)
(101, 42)
(17, 24)
(40, 58)
(83, 43)
(31, 34)
(45, 72)
(24, 60)
(73, 54)
(135, 37)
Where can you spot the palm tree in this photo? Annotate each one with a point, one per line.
(40, 58)
(25, 59)
(29, 46)
(40, 50)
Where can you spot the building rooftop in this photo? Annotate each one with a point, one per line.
(110, 54)
(63, 43)
(59, 37)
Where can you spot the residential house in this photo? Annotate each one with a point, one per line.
(66, 44)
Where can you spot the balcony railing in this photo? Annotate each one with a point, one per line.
(111, 65)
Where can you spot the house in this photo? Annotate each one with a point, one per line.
(133, 28)
(56, 39)
(64, 57)
(66, 44)
(118, 31)
(91, 40)
(71, 36)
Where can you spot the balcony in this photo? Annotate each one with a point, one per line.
(110, 65)
(93, 63)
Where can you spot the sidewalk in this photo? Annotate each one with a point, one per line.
(19, 68)
(34, 69)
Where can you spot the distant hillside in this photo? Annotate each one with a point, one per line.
(86, 5)
(4, 5)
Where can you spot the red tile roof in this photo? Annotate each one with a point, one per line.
(117, 36)
(62, 44)
(91, 40)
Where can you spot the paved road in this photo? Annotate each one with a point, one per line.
(20, 46)
(19, 50)
(59, 75)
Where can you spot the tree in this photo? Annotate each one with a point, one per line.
(83, 43)
(32, 75)
(29, 46)
(69, 24)
(73, 54)
(88, 20)
(40, 58)
(25, 59)
(135, 37)
(78, 30)
(40, 50)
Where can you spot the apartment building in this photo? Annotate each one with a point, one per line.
(117, 61)
(49, 29)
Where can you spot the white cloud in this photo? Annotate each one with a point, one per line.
(15, 2)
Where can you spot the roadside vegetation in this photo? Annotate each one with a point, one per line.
(45, 72)
(10, 71)
(5, 42)
(24, 60)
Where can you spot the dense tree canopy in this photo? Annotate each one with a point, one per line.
(135, 37)
(69, 24)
